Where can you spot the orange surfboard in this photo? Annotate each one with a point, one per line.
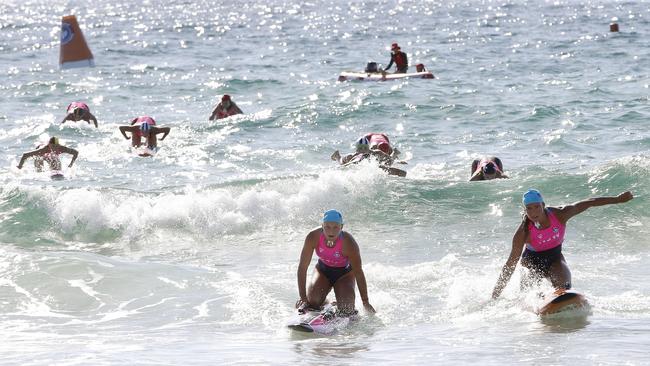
(562, 300)
(74, 50)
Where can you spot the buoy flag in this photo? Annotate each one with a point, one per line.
(74, 50)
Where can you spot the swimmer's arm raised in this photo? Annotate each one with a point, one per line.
(567, 212)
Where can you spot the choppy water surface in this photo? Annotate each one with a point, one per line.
(190, 257)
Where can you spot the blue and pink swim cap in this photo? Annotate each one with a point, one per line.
(333, 216)
(532, 196)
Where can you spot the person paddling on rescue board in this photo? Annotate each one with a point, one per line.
(225, 108)
(339, 268)
(146, 129)
(79, 111)
(540, 237)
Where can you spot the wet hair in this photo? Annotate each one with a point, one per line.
(54, 140)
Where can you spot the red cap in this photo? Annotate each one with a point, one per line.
(383, 146)
(394, 46)
(225, 97)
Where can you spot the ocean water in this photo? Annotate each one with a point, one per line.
(190, 257)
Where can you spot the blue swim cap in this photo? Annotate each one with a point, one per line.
(144, 127)
(532, 196)
(333, 216)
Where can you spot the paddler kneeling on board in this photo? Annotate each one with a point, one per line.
(49, 153)
(79, 111)
(338, 267)
(487, 169)
(399, 58)
(225, 108)
(147, 129)
(542, 233)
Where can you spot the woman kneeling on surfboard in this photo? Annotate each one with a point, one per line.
(542, 232)
(338, 267)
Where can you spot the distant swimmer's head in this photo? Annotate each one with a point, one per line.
(362, 145)
(145, 128)
(54, 141)
(225, 100)
(332, 224)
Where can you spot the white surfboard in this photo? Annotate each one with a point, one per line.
(57, 175)
(325, 322)
(147, 152)
(378, 76)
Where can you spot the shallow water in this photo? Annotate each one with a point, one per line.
(190, 256)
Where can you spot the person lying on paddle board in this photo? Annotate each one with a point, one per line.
(399, 58)
(487, 169)
(78, 111)
(225, 108)
(49, 153)
(339, 267)
(364, 150)
(542, 233)
(146, 129)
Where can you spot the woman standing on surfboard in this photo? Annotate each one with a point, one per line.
(338, 267)
(542, 232)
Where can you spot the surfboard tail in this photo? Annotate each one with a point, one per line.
(74, 49)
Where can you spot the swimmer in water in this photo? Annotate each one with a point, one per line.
(540, 237)
(339, 267)
(49, 153)
(487, 169)
(78, 111)
(376, 146)
(225, 108)
(146, 129)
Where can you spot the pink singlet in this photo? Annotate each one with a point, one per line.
(545, 239)
(332, 257)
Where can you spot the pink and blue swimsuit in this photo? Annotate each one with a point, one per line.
(331, 262)
(544, 246)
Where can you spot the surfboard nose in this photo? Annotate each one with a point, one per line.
(74, 51)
